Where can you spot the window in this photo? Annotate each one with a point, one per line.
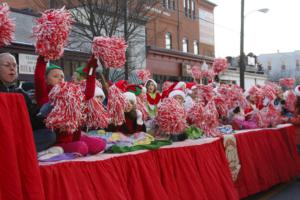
(283, 66)
(168, 4)
(168, 38)
(189, 8)
(196, 47)
(193, 9)
(185, 45)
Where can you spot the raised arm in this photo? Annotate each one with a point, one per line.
(41, 92)
(90, 69)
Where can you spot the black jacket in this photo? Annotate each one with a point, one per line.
(32, 109)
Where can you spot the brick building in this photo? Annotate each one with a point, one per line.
(182, 35)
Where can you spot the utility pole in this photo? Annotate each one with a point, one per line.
(126, 37)
(242, 56)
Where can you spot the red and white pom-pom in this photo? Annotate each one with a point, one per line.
(110, 50)
(207, 73)
(204, 93)
(7, 26)
(269, 91)
(51, 32)
(196, 72)
(270, 116)
(116, 105)
(221, 105)
(67, 114)
(195, 114)
(290, 100)
(97, 115)
(287, 82)
(140, 105)
(171, 117)
(219, 65)
(210, 120)
(143, 75)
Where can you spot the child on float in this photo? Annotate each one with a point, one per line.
(179, 96)
(133, 117)
(296, 117)
(45, 80)
(153, 97)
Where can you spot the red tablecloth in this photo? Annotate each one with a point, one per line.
(193, 172)
(267, 157)
(19, 172)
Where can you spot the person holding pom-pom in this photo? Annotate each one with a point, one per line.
(133, 117)
(45, 80)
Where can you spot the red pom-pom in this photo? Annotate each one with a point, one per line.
(7, 27)
(97, 115)
(196, 72)
(219, 65)
(116, 105)
(206, 118)
(110, 50)
(67, 114)
(287, 82)
(51, 32)
(290, 100)
(171, 117)
(143, 75)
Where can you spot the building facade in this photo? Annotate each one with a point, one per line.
(183, 34)
(279, 65)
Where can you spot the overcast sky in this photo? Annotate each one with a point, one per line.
(276, 30)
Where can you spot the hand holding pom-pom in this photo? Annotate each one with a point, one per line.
(7, 27)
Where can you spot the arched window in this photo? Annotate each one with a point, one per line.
(196, 47)
(168, 38)
(185, 45)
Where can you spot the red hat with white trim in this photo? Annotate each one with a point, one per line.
(177, 92)
(297, 90)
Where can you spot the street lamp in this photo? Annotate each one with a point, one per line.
(242, 56)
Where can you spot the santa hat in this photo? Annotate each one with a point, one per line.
(177, 92)
(297, 90)
(99, 92)
(129, 96)
(180, 85)
(177, 85)
(190, 86)
(151, 80)
(122, 85)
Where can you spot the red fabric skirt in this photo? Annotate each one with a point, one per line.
(267, 157)
(194, 172)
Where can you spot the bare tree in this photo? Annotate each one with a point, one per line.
(124, 18)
